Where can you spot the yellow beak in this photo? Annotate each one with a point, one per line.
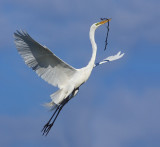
(104, 21)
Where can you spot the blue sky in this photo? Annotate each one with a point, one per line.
(119, 104)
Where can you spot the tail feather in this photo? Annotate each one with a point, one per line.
(51, 105)
(58, 96)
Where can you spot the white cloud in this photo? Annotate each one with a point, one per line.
(97, 116)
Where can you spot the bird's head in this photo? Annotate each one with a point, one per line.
(97, 24)
(104, 20)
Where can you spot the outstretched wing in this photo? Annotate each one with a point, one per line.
(110, 58)
(47, 65)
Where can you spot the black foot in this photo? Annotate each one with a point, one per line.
(47, 127)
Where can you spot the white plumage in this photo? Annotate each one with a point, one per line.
(55, 71)
(47, 65)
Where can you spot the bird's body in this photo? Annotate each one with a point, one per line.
(55, 71)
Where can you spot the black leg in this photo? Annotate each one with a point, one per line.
(49, 125)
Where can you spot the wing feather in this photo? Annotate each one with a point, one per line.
(46, 64)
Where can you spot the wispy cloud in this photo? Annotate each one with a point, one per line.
(124, 119)
(118, 106)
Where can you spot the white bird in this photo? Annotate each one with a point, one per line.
(55, 71)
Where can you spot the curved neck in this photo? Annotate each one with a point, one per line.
(94, 46)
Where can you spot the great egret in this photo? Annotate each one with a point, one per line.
(55, 71)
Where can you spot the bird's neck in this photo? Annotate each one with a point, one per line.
(94, 46)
